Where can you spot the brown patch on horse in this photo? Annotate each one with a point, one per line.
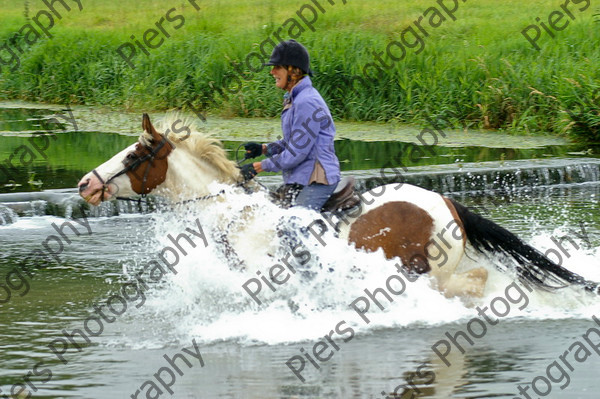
(456, 218)
(409, 232)
(153, 172)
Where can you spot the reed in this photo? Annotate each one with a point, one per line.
(478, 71)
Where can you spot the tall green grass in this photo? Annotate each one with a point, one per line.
(478, 71)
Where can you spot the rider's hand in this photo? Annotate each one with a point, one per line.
(248, 172)
(253, 150)
(258, 167)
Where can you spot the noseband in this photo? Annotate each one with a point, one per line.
(133, 166)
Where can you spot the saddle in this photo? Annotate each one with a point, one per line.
(343, 198)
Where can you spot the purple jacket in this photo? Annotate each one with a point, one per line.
(308, 133)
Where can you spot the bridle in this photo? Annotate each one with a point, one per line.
(150, 156)
(133, 165)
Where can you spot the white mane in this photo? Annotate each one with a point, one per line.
(185, 134)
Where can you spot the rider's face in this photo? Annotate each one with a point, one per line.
(281, 76)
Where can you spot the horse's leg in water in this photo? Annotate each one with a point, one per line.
(224, 246)
(469, 283)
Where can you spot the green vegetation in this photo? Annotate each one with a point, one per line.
(478, 71)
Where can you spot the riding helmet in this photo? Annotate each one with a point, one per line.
(290, 52)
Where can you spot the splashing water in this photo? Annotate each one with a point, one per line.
(205, 299)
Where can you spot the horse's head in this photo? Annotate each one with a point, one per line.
(138, 169)
(151, 165)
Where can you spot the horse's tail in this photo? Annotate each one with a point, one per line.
(532, 266)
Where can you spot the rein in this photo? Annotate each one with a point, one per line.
(208, 196)
(140, 200)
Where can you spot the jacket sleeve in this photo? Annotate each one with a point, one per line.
(274, 148)
(303, 138)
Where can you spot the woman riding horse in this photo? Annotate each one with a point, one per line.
(306, 154)
(426, 231)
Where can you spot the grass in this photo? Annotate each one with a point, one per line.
(478, 71)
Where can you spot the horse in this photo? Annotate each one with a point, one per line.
(428, 232)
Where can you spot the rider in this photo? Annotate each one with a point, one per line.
(306, 154)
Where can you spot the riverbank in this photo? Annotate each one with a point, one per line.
(473, 66)
(82, 137)
(127, 122)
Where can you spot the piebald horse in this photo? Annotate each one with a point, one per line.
(426, 230)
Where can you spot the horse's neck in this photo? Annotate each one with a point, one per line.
(187, 177)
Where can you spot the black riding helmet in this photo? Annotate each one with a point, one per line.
(290, 52)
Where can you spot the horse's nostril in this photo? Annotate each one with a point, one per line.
(83, 186)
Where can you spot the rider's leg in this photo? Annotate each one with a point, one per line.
(291, 232)
(315, 195)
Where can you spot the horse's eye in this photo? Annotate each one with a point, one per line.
(129, 158)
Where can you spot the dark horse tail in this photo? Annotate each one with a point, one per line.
(532, 266)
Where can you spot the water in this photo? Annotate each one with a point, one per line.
(545, 195)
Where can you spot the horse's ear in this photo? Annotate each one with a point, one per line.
(147, 126)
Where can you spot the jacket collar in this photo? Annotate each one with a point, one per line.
(303, 84)
(289, 97)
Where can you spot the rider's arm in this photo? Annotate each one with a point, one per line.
(273, 148)
(304, 132)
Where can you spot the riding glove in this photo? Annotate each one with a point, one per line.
(248, 172)
(253, 150)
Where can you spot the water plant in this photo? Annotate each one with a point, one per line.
(483, 73)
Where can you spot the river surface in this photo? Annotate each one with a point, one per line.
(232, 347)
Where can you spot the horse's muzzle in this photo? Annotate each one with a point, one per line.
(92, 190)
(83, 185)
